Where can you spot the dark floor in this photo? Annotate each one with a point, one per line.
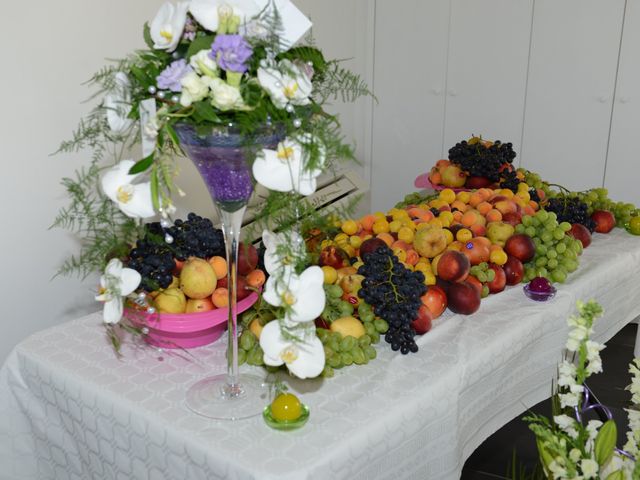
(491, 459)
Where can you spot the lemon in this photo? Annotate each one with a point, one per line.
(350, 227)
(286, 407)
(348, 326)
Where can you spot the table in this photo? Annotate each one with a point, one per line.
(69, 409)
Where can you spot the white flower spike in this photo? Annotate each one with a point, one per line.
(117, 282)
(286, 84)
(285, 169)
(133, 199)
(167, 26)
(304, 358)
(118, 104)
(304, 293)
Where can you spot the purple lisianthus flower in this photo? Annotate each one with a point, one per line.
(231, 52)
(170, 77)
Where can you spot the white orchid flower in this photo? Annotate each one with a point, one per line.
(285, 169)
(167, 26)
(225, 96)
(304, 356)
(118, 103)
(286, 84)
(304, 293)
(194, 89)
(272, 241)
(207, 12)
(203, 64)
(133, 199)
(117, 282)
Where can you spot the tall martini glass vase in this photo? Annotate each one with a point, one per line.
(223, 157)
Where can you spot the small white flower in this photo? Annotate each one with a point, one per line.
(304, 357)
(117, 282)
(286, 84)
(207, 12)
(566, 374)
(272, 242)
(304, 293)
(203, 64)
(193, 89)
(567, 424)
(133, 199)
(167, 26)
(285, 169)
(589, 468)
(150, 130)
(575, 455)
(557, 470)
(592, 428)
(224, 96)
(118, 104)
(569, 399)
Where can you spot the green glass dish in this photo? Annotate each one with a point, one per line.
(285, 424)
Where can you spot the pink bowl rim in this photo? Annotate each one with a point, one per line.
(422, 181)
(189, 322)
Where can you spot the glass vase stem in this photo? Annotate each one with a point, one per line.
(231, 225)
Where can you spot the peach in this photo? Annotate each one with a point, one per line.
(476, 252)
(460, 205)
(256, 278)
(505, 206)
(470, 217)
(220, 297)
(427, 216)
(367, 222)
(475, 199)
(442, 163)
(199, 305)
(386, 238)
(402, 245)
(486, 193)
(453, 266)
(219, 265)
(483, 239)
(484, 207)
(457, 216)
(435, 177)
(493, 215)
(412, 257)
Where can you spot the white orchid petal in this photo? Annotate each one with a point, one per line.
(130, 279)
(116, 176)
(113, 268)
(272, 80)
(270, 293)
(272, 173)
(310, 361)
(272, 343)
(118, 103)
(140, 204)
(206, 11)
(112, 312)
(309, 294)
(167, 26)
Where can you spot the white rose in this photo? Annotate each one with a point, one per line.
(224, 96)
(193, 89)
(204, 64)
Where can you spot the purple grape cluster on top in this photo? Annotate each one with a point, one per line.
(155, 255)
(394, 292)
(479, 160)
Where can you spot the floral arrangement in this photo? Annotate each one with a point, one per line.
(212, 64)
(570, 446)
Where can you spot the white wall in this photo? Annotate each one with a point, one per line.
(50, 49)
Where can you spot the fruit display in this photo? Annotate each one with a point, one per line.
(183, 268)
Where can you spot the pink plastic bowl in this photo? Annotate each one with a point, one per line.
(187, 330)
(422, 181)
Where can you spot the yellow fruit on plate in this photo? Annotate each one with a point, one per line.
(286, 407)
(348, 326)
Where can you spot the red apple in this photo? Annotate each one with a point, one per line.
(477, 182)
(463, 298)
(475, 283)
(499, 281)
(513, 270)
(605, 221)
(223, 282)
(582, 233)
(512, 218)
(453, 266)
(247, 259)
(435, 300)
(243, 291)
(333, 257)
(520, 246)
(422, 323)
(371, 245)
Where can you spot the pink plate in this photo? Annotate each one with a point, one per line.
(422, 181)
(187, 330)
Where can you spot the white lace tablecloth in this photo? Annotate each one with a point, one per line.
(69, 409)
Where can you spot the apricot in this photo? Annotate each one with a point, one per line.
(219, 265)
(493, 215)
(220, 297)
(478, 230)
(386, 238)
(476, 199)
(256, 278)
(505, 206)
(484, 207)
(367, 222)
(469, 218)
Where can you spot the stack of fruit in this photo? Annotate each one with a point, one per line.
(182, 269)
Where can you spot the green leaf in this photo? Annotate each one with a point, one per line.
(172, 134)
(605, 442)
(154, 189)
(199, 43)
(205, 112)
(141, 76)
(141, 165)
(545, 457)
(617, 475)
(147, 35)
